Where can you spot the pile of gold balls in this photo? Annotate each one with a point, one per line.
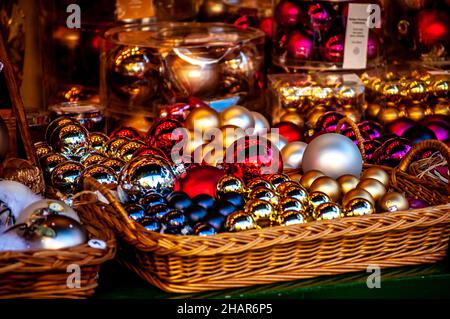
(284, 200)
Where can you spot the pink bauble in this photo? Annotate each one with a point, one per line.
(372, 47)
(317, 18)
(441, 130)
(299, 46)
(399, 126)
(333, 49)
(287, 13)
(417, 203)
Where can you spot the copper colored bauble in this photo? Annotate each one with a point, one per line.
(328, 186)
(292, 154)
(276, 179)
(328, 121)
(392, 93)
(262, 211)
(252, 156)
(41, 148)
(112, 146)
(333, 49)
(115, 164)
(289, 131)
(64, 177)
(228, 183)
(313, 116)
(399, 126)
(202, 119)
(377, 173)
(392, 151)
(259, 182)
(101, 173)
(293, 117)
(318, 198)
(97, 140)
(287, 13)
(239, 221)
(297, 192)
(299, 46)
(372, 129)
(308, 178)
(92, 158)
(358, 207)
(327, 211)
(48, 163)
(416, 92)
(332, 154)
(288, 203)
(291, 217)
(373, 186)
(347, 183)
(265, 194)
(127, 131)
(283, 186)
(70, 140)
(127, 150)
(393, 202)
(60, 121)
(415, 112)
(163, 134)
(388, 114)
(145, 174)
(373, 109)
(442, 108)
(262, 125)
(358, 193)
(237, 116)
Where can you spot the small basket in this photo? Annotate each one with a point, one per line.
(187, 264)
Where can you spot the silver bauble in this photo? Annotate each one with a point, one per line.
(64, 177)
(262, 125)
(70, 140)
(237, 116)
(292, 154)
(46, 207)
(101, 173)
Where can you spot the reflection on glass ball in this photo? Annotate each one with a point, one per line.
(64, 177)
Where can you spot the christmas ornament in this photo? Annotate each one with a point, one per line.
(261, 124)
(264, 194)
(58, 122)
(64, 177)
(237, 116)
(97, 140)
(327, 186)
(144, 174)
(128, 149)
(287, 13)
(163, 135)
(152, 199)
(291, 217)
(289, 131)
(252, 156)
(229, 183)
(114, 163)
(328, 121)
(373, 186)
(293, 117)
(48, 163)
(111, 147)
(158, 211)
(372, 129)
(377, 173)
(277, 140)
(370, 147)
(418, 133)
(217, 221)
(299, 46)
(92, 158)
(399, 126)
(277, 179)
(229, 135)
(327, 211)
(347, 183)
(441, 130)
(43, 208)
(334, 155)
(101, 173)
(151, 224)
(333, 49)
(393, 202)
(317, 198)
(358, 193)
(309, 177)
(41, 148)
(298, 193)
(358, 207)
(174, 218)
(317, 18)
(202, 229)
(223, 207)
(259, 182)
(135, 212)
(372, 47)
(442, 108)
(235, 198)
(70, 140)
(392, 151)
(128, 132)
(289, 203)
(179, 200)
(283, 186)
(239, 221)
(202, 118)
(204, 200)
(195, 214)
(417, 203)
(203, 179)
(350, 133)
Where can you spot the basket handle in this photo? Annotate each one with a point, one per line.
(424, 146)
(355, 128)
(92, 184)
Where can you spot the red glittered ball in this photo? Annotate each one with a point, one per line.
(200, 180)
(287, 13)
(252, 156)
(161, 134)
(176, 111)
(127, 131)
(333, 49)
(299, 46)
(289, 131)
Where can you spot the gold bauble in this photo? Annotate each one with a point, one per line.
(229, 183)
(358, 193)
(237, 116)
(317, 198)
(327, 211)
(239, 221)
(353, 114)
(98, 140)
(313, 116)
(126, 151)
(193, 141)
(441, 88)
(358, 207)
(111, 147)
(377, 173)
(202, 118)
(347, 183)
(229, 134)
(393, 202)
(277, 179)
(309, 177)
(281, 188)
(392, 92)
(114, 163)
(373, 109)
(295, 177)
(373, 186)
(41, 149)
(388, 114)
(416, 92)
(259, 182)
(415, 112)
(442, 108)
(289, 203)
(92, 158)
(265, 194)
(321, 95)
(328, 186)
(262, 211)
(210, 154)
(291, 217)
(293, 117)
(298, 193)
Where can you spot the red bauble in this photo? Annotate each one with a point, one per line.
(299, 46)
(266, 25)
(317, 19)
(432, 26)
(176, 111)
(333, 49)
(195, 102)
(200, 180)
(399, 126)
(252, 156)
(287, 13)
(290, 131)
(127, 131)
(161, 136)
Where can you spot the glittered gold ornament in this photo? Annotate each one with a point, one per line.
(202, 118)
(239, 221)
(373, 187)
(358, 207)
(277, 179)
(114, 163)
(347, 183)
(262, 211)
(125, 151)
(64, 177)
(289, 203)
(441, 88)
(317, 198)
(237, 116)
(327, 211)
(49, 162)
(98, 140)
(309, 178)
(415, 112)
(58, 122)
(346, 95)
(373, 109)
(102, 174)
(416, 92)
(112, 146)
(328, 186)
(321, 96)
(377, 173)
(281, 188)
(388, 114)
(291, 217)
(358, 193)
(264, 194)
(259, 182)
(442, 108)
(298, 193)
(42, 148)
(92, 158)
(229, 183)
(393, 202)
(293, 117)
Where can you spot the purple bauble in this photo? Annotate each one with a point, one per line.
(370, 147)
(299, 46)
(333, 49)
(399, 126)
(317, 18)
(445, 119)
(350, 133)
(328, 121)
(441, 130)
(371, 128)
(417, 203)
(392, 151)
(372, 47)
(419, 133)
(287, 13)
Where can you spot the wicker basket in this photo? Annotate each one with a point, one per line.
(186, 264)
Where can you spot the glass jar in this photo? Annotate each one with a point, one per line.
(331, 34)
(145, 66)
